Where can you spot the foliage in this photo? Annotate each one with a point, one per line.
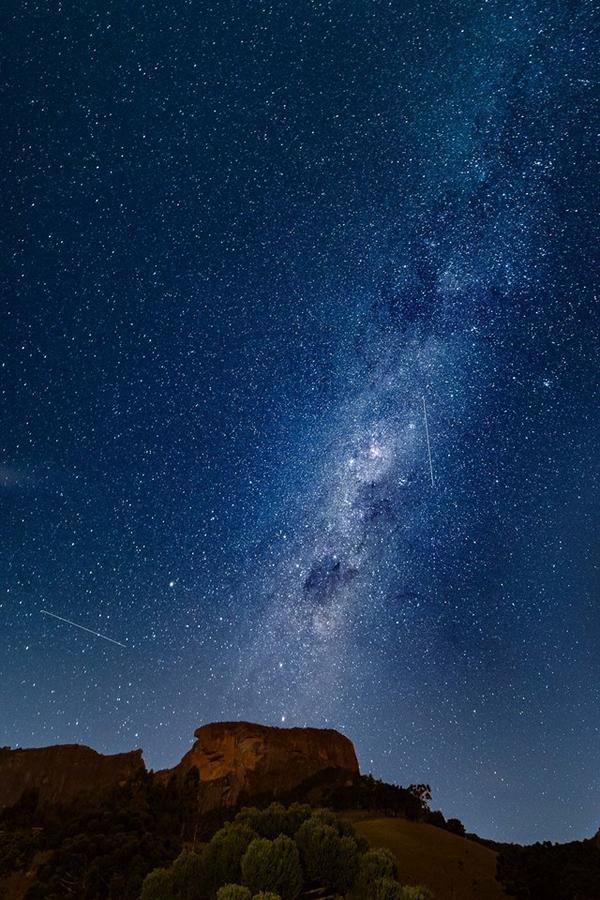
(105, 849)
(179, 881)
(551, 871)
(233, 892)
(374, 865)
(435, 817)
(391, 800)
(223, 856)
(421, 791)
(273, 865)
(455, 826)
(275, 819)
(17, 849)
(386, 889)
(190, 880)
(418, 892)
(328, 857)
(158, 885)
(246, 858)
(367, 792)
(130, 843)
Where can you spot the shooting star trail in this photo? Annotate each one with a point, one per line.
(83, 628)
(428, 444)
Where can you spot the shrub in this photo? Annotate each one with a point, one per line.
(327, 858)
(347, 864)
(233, 892)
(189, 876)
(374, 865)
(239, 863)
(273, 866)
(389, 889)
(386, 889)
(158, 885)
(274, 820)
(223, 855)
(317, 843)
(407, 892)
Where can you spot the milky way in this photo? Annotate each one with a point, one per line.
(253, 259)
(464, 262)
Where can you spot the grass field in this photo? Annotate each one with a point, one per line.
(453, 867)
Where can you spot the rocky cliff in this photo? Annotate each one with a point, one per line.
(236, 761)
(63, 772)
(240, 760)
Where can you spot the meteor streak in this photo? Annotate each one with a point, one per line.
(428, 444)
(83, 628)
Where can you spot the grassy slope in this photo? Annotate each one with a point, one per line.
(454, 868)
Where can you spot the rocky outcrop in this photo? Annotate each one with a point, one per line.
(236, 762)
(239, 760)
(63, 772)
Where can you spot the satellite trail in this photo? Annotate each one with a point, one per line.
(428, 444)
(83, 628)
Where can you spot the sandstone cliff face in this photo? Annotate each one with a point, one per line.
(241, 760)
(235, 761)
(63, 772)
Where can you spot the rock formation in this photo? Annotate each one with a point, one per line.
(235, 761)
(239, 760)
(63, 772)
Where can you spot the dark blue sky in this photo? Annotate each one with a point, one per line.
(243, 244)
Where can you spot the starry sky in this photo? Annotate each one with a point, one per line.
(299, 387)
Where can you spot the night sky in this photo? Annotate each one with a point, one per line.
(251, 253)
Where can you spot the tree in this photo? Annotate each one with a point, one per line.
(436, 817)
(455, 826)
(266, 895)
(421, 791)
(550, 871)
(273, 866)
(367, 792)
